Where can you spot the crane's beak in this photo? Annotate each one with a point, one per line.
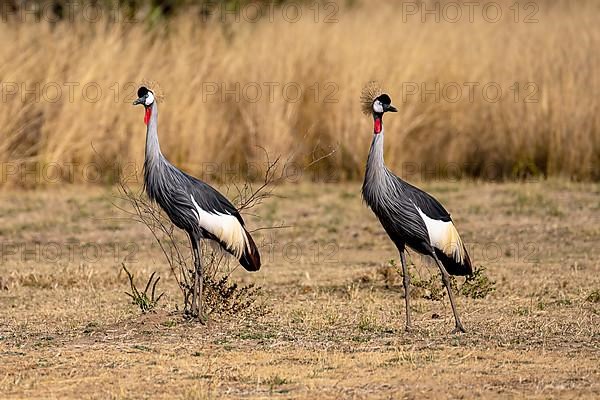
(141, 100)
(391, 108)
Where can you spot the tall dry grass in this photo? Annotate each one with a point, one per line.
(557, 135)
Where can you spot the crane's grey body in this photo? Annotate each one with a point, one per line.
(174, 190)
(391, 200)
(410, 216)
(405, 210)
(193, 205)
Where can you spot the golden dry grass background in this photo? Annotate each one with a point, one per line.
(555, 135)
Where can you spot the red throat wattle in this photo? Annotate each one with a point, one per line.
(147, 115)
(377, 125)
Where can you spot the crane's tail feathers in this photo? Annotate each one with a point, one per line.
(250, 258)
(242, 247)
(454, 266)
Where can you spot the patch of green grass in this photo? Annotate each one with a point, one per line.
(276, 380)
(89, 327)
(563, 302)
(144, 301)
(332, 317)
(298, 316)
(367, 323)
(141, 347)
(255, 335)
(526, 203)
(44, 342)
(169, 323)
(431, 288)
(594, 296)
(409, 358)
(523, 311)
(478, 285)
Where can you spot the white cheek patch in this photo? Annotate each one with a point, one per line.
(377, 107)
(149, 98)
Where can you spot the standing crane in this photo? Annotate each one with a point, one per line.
(192, 205)
(410, 216)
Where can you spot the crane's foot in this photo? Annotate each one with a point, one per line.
(459, 329)
(202, 318)
(195, 316)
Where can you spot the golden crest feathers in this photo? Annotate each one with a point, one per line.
(154, 86)
(369, 93)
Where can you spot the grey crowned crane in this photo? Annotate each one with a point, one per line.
(410, 216)
(192, 205)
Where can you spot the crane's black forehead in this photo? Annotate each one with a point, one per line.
(142, 91)
(384, 98)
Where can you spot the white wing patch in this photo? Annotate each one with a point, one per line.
(444, 236)
(225, 227)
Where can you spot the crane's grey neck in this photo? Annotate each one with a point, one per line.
(377, 177)
(376, 172)
(153, 153)
(375, 160)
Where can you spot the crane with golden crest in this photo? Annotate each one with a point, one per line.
(411, 217)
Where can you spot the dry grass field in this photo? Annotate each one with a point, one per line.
(329, 325)
(509, 96)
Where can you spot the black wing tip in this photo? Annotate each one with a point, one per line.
(250, 264)
(454, 267)
(250, 259)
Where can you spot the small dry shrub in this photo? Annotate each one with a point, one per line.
(428, 284)
(227, 298)
(478, 285)
(430, 288)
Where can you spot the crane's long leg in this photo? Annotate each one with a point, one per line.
(446, 279)
(195, 287)
(198, 282)
(406, 280)
(200, 278)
